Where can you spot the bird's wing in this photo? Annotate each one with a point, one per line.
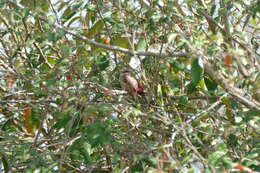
(131, 81)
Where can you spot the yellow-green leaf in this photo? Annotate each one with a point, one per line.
(141, 45)
(96, 28)
(73, 20)
(121, 42)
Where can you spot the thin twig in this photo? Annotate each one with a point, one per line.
(42, 55)
(204, 112)
(237, 93)
(194, 149)
(26, 101)
(55, 12)
(120, 49)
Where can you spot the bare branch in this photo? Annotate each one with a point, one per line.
(237, 93)
(204, 112)
(120, 49)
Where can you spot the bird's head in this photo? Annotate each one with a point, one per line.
(126, 70)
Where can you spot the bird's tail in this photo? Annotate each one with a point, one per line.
(141, 93)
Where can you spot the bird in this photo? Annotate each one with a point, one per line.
(130, 83)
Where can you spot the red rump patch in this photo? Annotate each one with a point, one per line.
(140, 90)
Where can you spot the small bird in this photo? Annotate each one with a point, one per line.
(130, 84)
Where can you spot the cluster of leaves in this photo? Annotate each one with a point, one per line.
(58, 110)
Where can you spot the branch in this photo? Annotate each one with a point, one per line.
(203, 113)
(229, 40)
(5, 162)
(103, 89)
(120, 49)
(194, 97)
(108, 47)
(235, 92)
(27, 101)
(42, 55)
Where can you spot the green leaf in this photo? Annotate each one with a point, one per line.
(96, 28)
(98, 133)
(210, 84)
(73, 20)
(103, 62)
(62, 122)
(36, 117)
(104, 110)
(32, 4)
(141, 45)
(252, 113)
(249, 115)
(212, 10)
(215, 157)
(2, 4)
(5, 162)
(62, 4)
(65, 50)
(121, 42)
(212, 48)
(68, 13)
(196, 71)
(184, 100)
(110, 20)
(175, 83)
(44, 5)
(77, 5)
(63, 118)
(178, 66)
(90, 7)
(55, 36)
(191, 88)
(159, 89)
(80, 150)
(201, 85)
(222, 11)
(141, 162)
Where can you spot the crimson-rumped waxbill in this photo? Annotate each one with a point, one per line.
(130, 84)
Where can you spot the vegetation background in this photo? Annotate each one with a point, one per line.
(62, 108)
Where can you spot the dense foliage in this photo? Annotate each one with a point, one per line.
(62, 108)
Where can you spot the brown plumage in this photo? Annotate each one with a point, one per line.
(130, 84)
